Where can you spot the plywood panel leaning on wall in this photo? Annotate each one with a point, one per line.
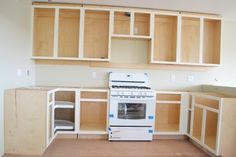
(43, 32)
(25, 121)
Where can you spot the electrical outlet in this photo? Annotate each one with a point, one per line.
(190, 78)
(94, 75)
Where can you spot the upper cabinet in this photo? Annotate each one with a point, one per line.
(165, 37)
(68, 33)
(43, 43)
(131, 24)
(96, 34)
(86, 33)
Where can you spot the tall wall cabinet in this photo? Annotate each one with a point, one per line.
(84, 32)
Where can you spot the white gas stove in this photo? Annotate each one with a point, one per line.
(132, 107)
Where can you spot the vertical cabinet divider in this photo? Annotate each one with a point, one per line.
(81, 34)
(111, 31)
(201, 40)
(56, 30)
(152, 25)
(132, 23)
(178, 44)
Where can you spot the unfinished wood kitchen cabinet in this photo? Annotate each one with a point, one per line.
(211, 41)
(168, 109)
(69, 33)
(28, 122)
(96, 35)
(65, 111)
(121, 23)
(165, 38)
(190, 41)
(141, 24)
(93, 111)
(43, 32)
(211, 126)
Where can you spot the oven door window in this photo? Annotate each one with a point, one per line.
(131, 110)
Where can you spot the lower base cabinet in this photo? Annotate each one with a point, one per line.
(25, 126)
(212, 123)
(34, 117)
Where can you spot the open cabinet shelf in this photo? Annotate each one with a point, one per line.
(64, 111)
(96, 34)
(167, 117)
(69, 31)
(141, 24)
(165, 38)
(190, 43)
(211, 45)
(121, 23)
(43, 43)
(93, 116)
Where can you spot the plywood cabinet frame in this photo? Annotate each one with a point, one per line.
(203, 126)
(132, 12)
(131, 29)
(95, 101)
(81, 33)
(182, 115)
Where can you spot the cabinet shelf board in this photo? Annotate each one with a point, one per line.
(130, 36)
(64, 104)
(63, 125)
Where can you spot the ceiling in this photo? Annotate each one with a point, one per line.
(226, 8)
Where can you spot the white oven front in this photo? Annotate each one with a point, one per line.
(131, 112)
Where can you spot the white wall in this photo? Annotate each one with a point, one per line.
(71, 75)
(14, 49)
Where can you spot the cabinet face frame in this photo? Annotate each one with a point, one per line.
(131, 35)
(205, 109)
(182, 112)
(50, 118)
(93, 100)
(83, 33)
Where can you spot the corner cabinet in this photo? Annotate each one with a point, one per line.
(85, 33)
(210, 123)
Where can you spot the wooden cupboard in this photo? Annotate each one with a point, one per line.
(26, 128)
(165, 37)
(170, 111)
(43, 33)
(96, 34)
(84, 33)
(68, 33)
(93, 111)
(190, 41)
(35, 116)
(210, 125)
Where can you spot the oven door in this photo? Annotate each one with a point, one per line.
(131, 112)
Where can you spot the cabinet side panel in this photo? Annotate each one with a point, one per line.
(228, 128)
(25, 122)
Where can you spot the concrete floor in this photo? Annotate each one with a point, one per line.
(104, 148)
